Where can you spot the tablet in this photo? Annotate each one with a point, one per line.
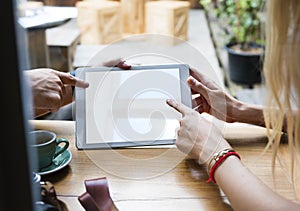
(127, 108)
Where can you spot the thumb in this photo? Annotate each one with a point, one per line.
(198, 86)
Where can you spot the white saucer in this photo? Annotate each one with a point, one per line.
(59, 162)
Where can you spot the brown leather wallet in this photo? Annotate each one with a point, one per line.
(97, 196)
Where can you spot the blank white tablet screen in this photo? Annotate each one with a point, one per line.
(131, 105)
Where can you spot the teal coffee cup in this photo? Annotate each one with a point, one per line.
(47, 146)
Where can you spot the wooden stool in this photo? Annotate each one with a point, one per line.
(99, 22)
(37, 47)
(70, 3)
(62, 42)
(133, 14)
(167, 18)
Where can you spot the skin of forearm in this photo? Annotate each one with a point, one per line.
(247, 192)
(252, 114)
(247, 113)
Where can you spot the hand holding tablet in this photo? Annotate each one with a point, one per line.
(126, 108)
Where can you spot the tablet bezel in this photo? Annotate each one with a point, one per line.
(80, 110)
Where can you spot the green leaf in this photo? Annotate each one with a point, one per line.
(241, 17)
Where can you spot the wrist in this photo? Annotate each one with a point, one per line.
(222, 146)
(218, 159)
(234, 110)
(247, 113)
(227, 165)
(237, 112)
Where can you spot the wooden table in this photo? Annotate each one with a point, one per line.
(159, 178)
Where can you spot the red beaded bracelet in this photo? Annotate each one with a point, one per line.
(217, 164)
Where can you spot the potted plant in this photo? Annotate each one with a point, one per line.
(242, 21)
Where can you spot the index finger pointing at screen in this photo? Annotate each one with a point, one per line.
(68, 79)
(178, 107)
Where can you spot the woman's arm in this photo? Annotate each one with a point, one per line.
(201, 139)
(245, 191)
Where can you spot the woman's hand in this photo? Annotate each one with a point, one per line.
(197, 136)
(212, 100)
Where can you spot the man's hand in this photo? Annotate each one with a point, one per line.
(51, 89)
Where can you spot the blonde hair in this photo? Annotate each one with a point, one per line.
(282, 74)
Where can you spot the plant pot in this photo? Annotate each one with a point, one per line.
(245, 68)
